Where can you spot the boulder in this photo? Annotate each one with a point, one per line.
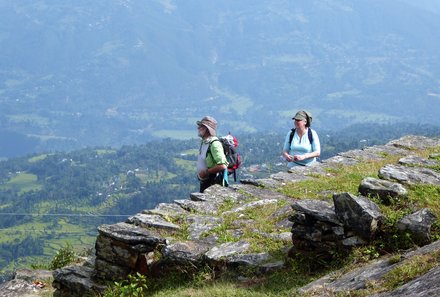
(359, 213)
(121, 249)
(382, 188)
(72, 281)
(418, 224)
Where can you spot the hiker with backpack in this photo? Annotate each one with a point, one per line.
(212, 166)
(301, 146)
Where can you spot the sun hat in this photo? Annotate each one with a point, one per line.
(210, 123)
(303, 116)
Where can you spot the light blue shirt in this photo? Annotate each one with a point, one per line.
(302, 146)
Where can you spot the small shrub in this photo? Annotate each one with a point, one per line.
(135, 286)
(204, 275)
(395, 259)
(63, 257)
(371, 252)
(435, 229)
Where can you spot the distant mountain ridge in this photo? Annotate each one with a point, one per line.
(80, 73)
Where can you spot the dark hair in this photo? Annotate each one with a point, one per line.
(309, 119)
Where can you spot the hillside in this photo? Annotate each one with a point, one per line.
(242, 232)
(80, 73)
(50, 199)
(238, 240)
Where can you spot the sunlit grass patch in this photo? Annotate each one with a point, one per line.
(22, 182)
(50, 231)
(409, 270)
(185, 164)
(262, 216)
(149, 176)
(431, 152)
(78, 240)
(425, 196)
(105, 151)
(238, 103)
(248, 220)
(340, 179)
(263, 243)
(37, 158)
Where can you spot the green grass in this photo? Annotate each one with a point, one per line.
(37, 158)
(80, 238)
(204, 283)
(151, 176)
(22, 182)
(238, 103)
(185, 164)
(425, 196)
(410, 269)
(340, 179)
(39, 229)
(105, 151)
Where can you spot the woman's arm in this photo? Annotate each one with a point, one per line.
(307, 156)
(286, 149)
(287, 156)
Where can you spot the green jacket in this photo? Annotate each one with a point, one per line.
(215, 154)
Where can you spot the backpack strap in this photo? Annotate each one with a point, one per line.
(309, 134)
(292, 132)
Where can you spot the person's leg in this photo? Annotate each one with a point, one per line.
(207, 183)
(203, 186)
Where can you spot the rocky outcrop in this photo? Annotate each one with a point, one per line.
(360, 278)
(358, 213)
(76, 281)
(122, 248)
(28, 283)
(220, 228)
(321, 227)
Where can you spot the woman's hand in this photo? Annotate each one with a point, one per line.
(299, 157)
(288, 157)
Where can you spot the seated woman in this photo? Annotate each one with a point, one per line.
(301, 146)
